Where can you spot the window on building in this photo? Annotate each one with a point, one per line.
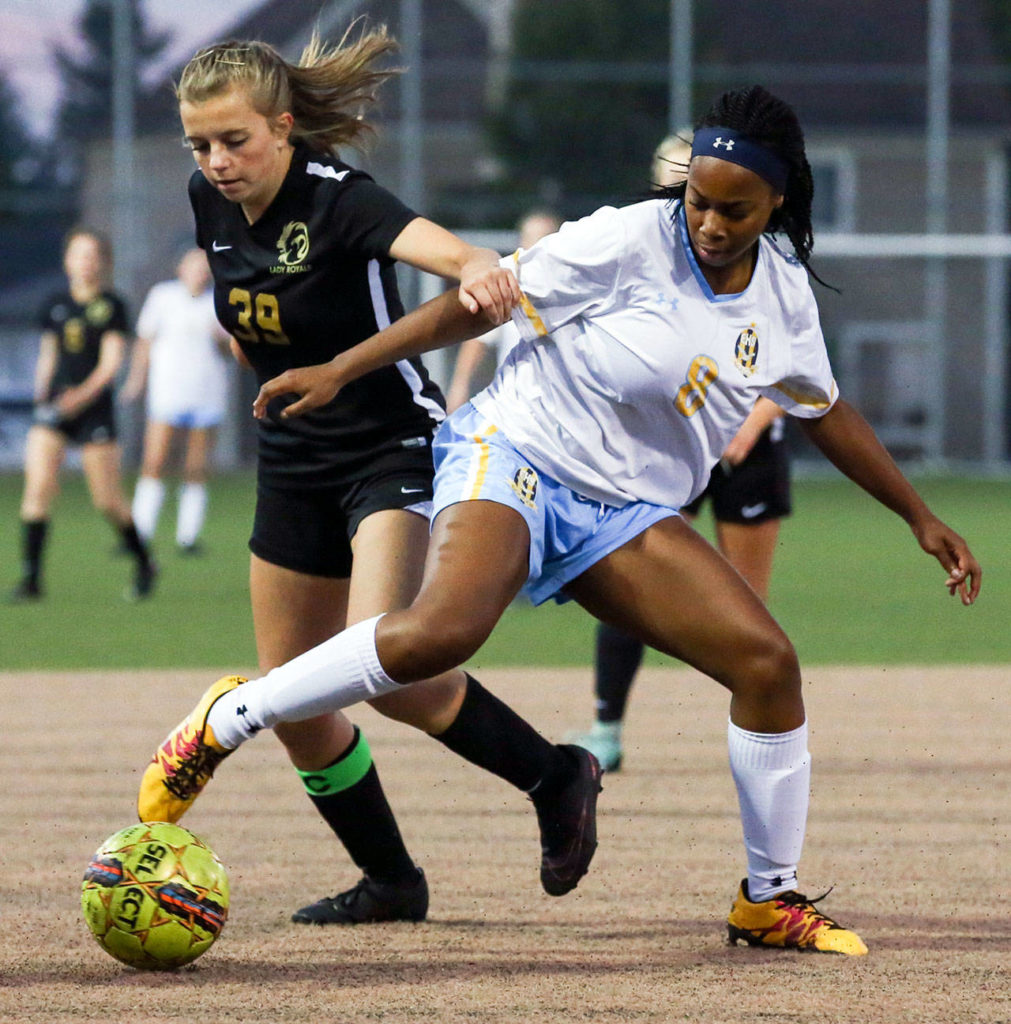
(835, 188)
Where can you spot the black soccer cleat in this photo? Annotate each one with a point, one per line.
(144, 579)
(568, 822)
(27, 590)
(369, 902)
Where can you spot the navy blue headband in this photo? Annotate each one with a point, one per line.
(728, 144)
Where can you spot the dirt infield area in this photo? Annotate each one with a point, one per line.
(909, 822)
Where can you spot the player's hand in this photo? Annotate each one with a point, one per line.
(489, 288)
(964, 572)
(315, 386)
(46, 414)
(69, 404)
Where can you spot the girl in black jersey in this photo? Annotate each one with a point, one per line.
(82, 349)
(302, 249)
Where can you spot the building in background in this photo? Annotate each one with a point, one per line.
(857, 80)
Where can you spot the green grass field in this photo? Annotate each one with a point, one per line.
(850, 586)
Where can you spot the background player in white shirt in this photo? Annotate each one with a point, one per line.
(180, 354)
(749, 493)
(500, 341)
(648, 334)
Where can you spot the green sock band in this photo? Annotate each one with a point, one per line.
(348, 770)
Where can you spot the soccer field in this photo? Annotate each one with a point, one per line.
(850, 586)
(909, 815)
(909, 806)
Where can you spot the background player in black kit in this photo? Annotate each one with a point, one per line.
(302, 249)
(83, 346)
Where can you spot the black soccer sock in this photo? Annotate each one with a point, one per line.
(491, 735)
(618, 657)
(33, 541)
(350, 799)
(134, 544)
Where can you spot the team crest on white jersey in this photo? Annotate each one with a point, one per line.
(524, 483)
(746, 351)
(293, 245)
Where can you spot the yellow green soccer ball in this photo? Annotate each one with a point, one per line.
(155, 896)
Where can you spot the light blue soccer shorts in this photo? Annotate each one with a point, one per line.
(187, 419)
(474, 461)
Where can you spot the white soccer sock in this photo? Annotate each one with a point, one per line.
(192, 509)
(772, 772)
(147, 500)
(335, 674)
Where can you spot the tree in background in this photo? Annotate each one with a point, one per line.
(578, 142)
(85, 110)
(18, 150)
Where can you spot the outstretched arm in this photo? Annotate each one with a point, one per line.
(849, 443)
(440, 322)
(484, 284)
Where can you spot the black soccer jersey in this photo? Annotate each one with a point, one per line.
(311, 278)
(79, 328)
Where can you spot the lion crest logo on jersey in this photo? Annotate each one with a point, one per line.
(98, 311)
(746, 351)
(293, 245)
(524, 483)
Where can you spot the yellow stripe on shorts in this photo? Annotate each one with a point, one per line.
(479, 465)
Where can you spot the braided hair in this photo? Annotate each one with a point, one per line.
(768, 121)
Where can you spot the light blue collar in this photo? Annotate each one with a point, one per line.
(682, 224)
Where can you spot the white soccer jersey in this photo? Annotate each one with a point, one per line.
(188, 372)
(502, 340)
(632, 376)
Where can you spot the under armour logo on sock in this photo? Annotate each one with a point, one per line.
(242, 711)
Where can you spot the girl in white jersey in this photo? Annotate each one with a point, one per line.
(181, 357)
(648, 334)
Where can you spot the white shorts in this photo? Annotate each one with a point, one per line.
(475, 461)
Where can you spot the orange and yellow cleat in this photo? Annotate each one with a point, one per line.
(789, 921)
(185, 762)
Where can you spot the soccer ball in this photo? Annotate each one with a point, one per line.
(155, 896)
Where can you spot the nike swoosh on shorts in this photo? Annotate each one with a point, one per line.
(750, 511)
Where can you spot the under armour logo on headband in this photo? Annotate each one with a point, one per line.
(737, 148)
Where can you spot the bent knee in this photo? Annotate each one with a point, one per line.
(417, 645)
(771, 667)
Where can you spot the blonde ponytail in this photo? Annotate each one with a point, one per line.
(325, 92)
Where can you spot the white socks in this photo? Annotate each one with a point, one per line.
(337, 673)
(192, 509)
(772, 772)
(147, 501)
(148, 497)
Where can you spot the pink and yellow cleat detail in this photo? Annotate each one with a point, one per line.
(185, 761)
(789, 921)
